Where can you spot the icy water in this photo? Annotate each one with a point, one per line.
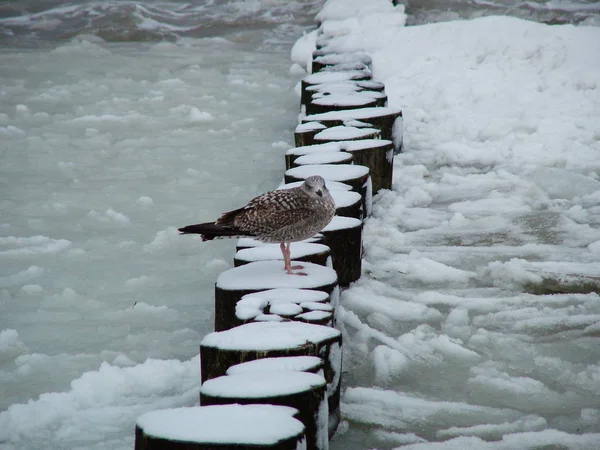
(120, 121)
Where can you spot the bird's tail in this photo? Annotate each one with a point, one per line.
(210, 230)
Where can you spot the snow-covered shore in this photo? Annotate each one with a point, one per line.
(498, 187)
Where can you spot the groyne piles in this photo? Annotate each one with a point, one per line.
(271, 370)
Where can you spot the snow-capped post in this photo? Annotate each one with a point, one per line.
(337, 102)
(346, 133)
(344, 237)
(223, 426)
(387, 119)
(324, 158)
(293, 153)
(256, 340)
(312, 364)
(305, 132)
(303, 391)
(370, 88)
(376, 154)
(234, 283)
(301, 251)
(329, 77)
(353, 175)
(322, 59)
(277, 305)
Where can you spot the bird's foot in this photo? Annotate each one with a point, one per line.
(289, 271)
(297, 267)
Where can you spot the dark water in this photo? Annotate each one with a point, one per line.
(38, 23)
(585, 12)
(35, 23)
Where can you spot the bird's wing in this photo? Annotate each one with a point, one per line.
(268, 212)
(265, 222)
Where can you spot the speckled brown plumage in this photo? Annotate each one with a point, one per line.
(283, 216)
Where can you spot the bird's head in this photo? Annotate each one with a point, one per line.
(315, 185)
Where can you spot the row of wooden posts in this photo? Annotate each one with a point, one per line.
(271, 371)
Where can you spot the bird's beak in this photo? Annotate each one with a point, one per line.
(320, 193)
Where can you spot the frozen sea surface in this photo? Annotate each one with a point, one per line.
(106, 148)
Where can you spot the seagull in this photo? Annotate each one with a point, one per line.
(282, 216)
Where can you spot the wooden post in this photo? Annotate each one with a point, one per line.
(323, 158)
(322, 104)
(234, 283)
(378, 156)
(330, 77)
(321, 59)
(293, 153)
(344, 237)
(305, 132)
(388, 120)
(303, 391)
(221, 350)
(226, 427)
(365, 87)
(346, 133)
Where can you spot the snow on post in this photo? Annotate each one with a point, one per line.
(310, 364)
(323, 158)
(301, 251)
(234, 283)
(278, 305)
(300, 150)
(305, 132)
(322, 59)
(346, 133)
(347, 203)
(337, 102)
(226, 427)
(343, 236)
(387, 119)
(221, 350)
(303, 391)
(370, 88)
(330, 77)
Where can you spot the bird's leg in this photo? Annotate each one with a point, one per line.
(289, 253)
(287, 265)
